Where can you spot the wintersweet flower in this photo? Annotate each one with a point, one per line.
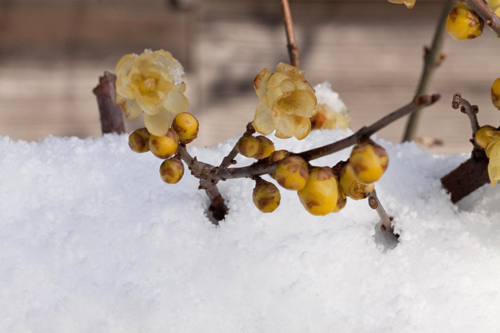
(408, 3)
(287, 101)
(151, 83)
(493, 153)
(330, 111)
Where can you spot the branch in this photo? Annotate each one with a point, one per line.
(470, 110)
(432, 60)
(111, 114)
(484, 12)
(375, 203)
(257, 169)
(293, 50)
(229, 159)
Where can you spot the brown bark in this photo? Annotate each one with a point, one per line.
(484, 12)
(293, 50)
(111, 114)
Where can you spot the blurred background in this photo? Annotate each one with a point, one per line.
(53, 51)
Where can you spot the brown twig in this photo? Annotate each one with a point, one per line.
(473, 173)
(111, 114)
(293, 50)
(484, 12)
(375, 203)
(470, 110)
(432, 60)
(229, 159)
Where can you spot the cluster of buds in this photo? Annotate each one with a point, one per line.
(255, 147)
(323, 190)
(463, 23)
(184, 130)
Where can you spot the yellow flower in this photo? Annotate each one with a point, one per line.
(151, 83)
(495, 93)
(493, 153)
(408, 3)
(287, 101)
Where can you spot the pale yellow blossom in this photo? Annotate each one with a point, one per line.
(287, 101)
(493, 153)
(151, 83)
(407, 3)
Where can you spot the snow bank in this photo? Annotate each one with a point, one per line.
(91, 240)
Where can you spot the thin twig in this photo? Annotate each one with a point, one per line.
(484, 12)
(293, 50)
(229, 159)
(375, 203)
(470, 110)
(432, 60)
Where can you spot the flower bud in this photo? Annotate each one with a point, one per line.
(320, 194)
(292, 173)
(266, 147)
(495, 92)
(138, 140)
(172, 170)
(369, 162)
(483, 135)
(463, 23)
(351, 186)
(186, 126)
(164, 146)
(342, 199)
(248, 146)
(276, 156)
(266, 196)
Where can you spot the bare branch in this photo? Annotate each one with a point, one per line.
(293, 50)
(484, 12)
(432, 60)
(375, 203)
(470, 110)
(111, 114)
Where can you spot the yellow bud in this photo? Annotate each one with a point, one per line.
(164, 146)
(172, 170)
(248, 146)
(483, 135)
(186, 126)
(351, 186)
(369, 162)
(292, 173)
(276, 156)
(463, 23)
(266, 147)
(138, 140)
(266, 196)
(320, 195)
(495, 93)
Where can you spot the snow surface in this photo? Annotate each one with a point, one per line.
(91, 240)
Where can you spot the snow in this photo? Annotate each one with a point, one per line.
(91, 240)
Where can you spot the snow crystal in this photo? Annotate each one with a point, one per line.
(91, 240)
(326, 96)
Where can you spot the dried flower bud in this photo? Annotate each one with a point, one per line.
(351, 186)
(495, 93)
(320, 194)
(483, 135)
(292, 173)
(138, 140)
(186, 126)
(369, 162)
(266, 196)
(172, 170)
(463, 23)
(248, 146)
(266, 147)
(164, 146)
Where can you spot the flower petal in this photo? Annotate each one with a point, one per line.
(302, 127)
(493, 152)
(273, 96)
(158, 124)
(299, 103)
(289, 70)
(263, 120)
(285, 125)
(260, 82)
(129, 106)
(175, 102)
(125, 64)
(275, 80)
